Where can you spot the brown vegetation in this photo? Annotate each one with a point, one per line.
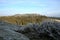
(22, 20)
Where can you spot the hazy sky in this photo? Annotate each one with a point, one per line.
(45, 7)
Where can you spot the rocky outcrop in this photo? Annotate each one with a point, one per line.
(47, 30)
(11, 35)
(7, 32)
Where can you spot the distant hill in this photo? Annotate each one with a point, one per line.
(27, 15)
(23, 19)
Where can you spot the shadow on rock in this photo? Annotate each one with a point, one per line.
(47, 30)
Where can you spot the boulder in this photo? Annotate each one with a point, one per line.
(8, 32)
(10, 26)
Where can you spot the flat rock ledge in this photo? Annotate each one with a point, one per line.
(7, 32)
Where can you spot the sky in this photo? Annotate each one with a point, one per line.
(43, 7)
